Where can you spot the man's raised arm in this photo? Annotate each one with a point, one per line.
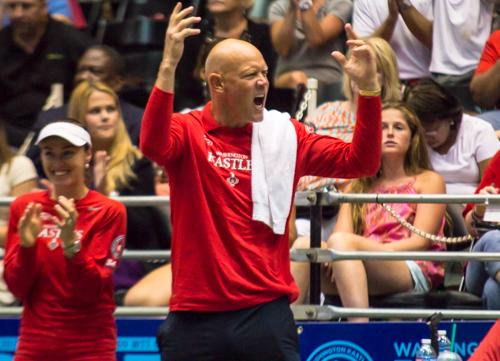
(156, 140)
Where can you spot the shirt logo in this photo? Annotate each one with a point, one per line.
(208, 141)
(232, 180)
(234, 161)
(117, 246)
(55, 56)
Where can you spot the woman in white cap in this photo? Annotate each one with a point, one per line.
(62, 247)
(120, 169)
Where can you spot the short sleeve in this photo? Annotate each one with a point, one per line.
(277, 10)
(21, 170)
(340, 8)
(487, 143)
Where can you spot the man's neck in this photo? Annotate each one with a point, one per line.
(28, 41)
(224, 119)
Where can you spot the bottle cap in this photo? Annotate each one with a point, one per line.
(426, 341)
(441, 332)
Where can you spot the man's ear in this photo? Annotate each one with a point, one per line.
(215, 82)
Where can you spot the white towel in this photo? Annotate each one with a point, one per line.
(274, 154)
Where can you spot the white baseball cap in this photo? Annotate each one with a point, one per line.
(73, 133)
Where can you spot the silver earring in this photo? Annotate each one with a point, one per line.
(87, 165)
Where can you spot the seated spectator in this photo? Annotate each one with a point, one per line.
(225, 19)
(120, 169)
(405, 169)
(460, 146)
(457, 34)
(338, 119)
(485, 83)
(483, 278)
(17, 176)
(388, 20)
(66, 11)
(38, 59)
(304, 33)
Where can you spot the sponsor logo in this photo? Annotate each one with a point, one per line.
(208, 141)
(117, 246)
(232, 180)
(338, 351)
(234, 161)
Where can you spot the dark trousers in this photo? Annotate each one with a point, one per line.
(266, 332)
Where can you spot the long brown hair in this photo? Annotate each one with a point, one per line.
(416, 161)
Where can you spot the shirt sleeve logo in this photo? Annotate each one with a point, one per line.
(118, 246)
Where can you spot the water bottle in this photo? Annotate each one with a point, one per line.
(449, 356)
(445, 353)
(426, 352)
(443, 341)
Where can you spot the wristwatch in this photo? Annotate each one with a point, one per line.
(73, 249)
(305, 5)
(404, 5)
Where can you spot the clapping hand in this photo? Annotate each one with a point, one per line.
(66, 222)
(480, 209)
(101, 162)
(361, 65)
(30, 224)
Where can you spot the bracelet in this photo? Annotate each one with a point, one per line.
(370, 93)
(70, 251)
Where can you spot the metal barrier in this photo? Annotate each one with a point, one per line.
(315, 313)
(315, 255)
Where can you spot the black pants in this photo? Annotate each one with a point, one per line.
(265, 332)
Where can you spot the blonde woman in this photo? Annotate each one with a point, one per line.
(119, 169)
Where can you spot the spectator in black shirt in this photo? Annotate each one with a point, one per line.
(36, 53)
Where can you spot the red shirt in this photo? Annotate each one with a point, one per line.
(68, 303)
(222, 259)
(490, 54)
(491, 177)
(489, 348)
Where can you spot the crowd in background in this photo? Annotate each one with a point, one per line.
(438, 66)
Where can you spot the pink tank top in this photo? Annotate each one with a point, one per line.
(381, 226)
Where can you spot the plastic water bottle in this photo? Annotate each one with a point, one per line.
(449, 356)
(443, 341)
(426, 352)
(445, 353)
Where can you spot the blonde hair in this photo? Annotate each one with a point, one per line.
(122, 152)
(387, 65)
(416, 161)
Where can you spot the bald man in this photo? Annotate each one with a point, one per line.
(233, 168)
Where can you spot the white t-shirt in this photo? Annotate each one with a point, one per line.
(21, 169)
(413, 57)
(460, 30)
(476, 141)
